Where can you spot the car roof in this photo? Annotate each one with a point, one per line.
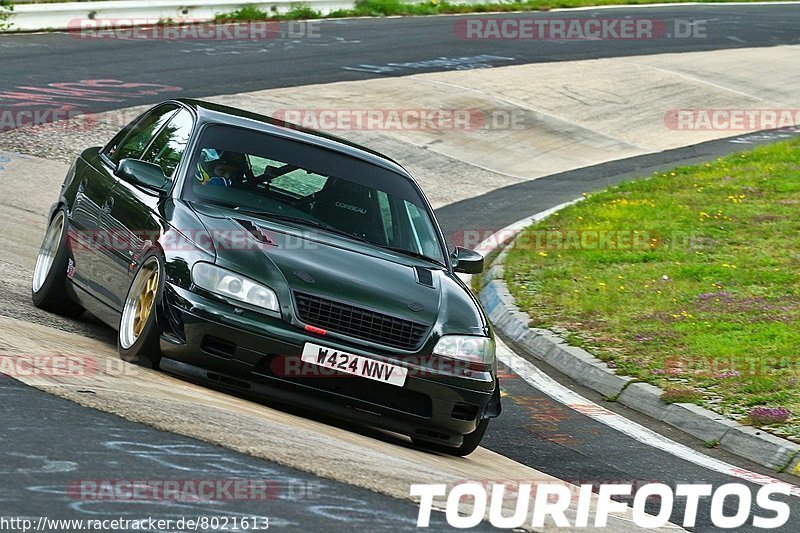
(208, 112)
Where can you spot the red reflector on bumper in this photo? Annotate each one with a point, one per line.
(318, 331)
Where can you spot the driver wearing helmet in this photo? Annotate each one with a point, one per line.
(227, 171)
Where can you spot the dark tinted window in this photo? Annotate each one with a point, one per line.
(112, 146)
(141, 135)
(168, 147)
(312, 186)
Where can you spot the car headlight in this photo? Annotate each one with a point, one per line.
(469, 348)
(231, 285)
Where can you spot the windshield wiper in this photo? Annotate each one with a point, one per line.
(412, 253)
(302, 221)
(334, 229)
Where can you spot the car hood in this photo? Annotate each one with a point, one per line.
(290, 257)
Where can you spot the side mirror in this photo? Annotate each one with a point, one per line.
(148, 175)
(466, 261)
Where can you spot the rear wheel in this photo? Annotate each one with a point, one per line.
(470, 443)
(139, 335)
(50, 272)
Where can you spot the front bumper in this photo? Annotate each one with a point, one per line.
(253, 353)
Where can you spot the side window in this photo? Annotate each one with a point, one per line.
(386, 215)
(112, 146)
(141, 135)
(423, 234)
(168, 147)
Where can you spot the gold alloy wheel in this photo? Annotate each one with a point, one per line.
(145, 303)
(140, 303)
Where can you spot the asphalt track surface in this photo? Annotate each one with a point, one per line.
(36, 473)
(350, 49)
(533, 430)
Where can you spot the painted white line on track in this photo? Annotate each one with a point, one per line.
(541, 381)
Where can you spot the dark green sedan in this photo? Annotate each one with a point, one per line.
(274, 261)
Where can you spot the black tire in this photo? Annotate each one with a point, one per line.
(48, 286)
(469, 445)
(142, 348)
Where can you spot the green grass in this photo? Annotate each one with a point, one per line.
(536, 4)
(6, 10)
(695, 287)
(250, 13)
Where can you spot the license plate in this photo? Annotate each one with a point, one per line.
(354, 364)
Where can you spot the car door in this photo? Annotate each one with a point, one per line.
(135, 214)
(94, 183)
(94, 179)
(93, 239)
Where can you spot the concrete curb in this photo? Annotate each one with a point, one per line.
(714, 429)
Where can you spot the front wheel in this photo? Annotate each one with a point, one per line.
(139, 334)
(50, 273)
(470, 443)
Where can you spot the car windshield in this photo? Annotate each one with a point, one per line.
(280, 178)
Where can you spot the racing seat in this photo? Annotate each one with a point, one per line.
(352, 208)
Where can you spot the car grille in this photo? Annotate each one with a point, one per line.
(359, 322)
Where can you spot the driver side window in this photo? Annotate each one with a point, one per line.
(141, 135)
(168, 147)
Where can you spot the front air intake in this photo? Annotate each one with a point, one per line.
(424, 276)
(360, 323)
